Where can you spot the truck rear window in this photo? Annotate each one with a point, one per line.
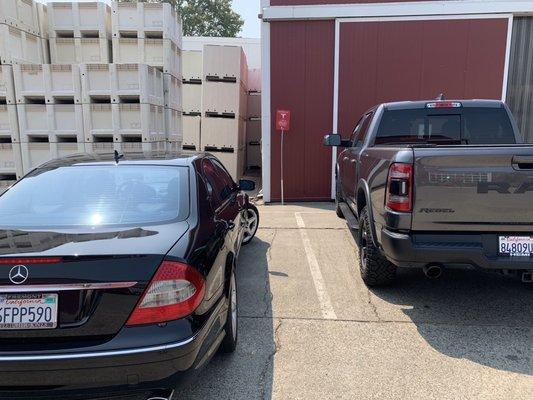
(476, 126)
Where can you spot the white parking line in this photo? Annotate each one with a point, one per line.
(320, 286)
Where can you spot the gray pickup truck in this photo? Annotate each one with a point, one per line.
(436, 185)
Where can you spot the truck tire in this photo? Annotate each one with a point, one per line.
(376, 270)
(338, 199)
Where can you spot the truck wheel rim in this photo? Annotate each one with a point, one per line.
(363, 248)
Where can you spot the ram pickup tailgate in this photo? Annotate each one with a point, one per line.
(473, 188)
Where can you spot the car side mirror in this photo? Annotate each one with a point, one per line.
(246, 185)
(332, 140)
(335, 140)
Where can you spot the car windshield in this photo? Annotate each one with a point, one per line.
(469, 125)
(103, 195)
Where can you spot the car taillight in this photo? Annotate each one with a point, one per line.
(176, 290)
(400, 188)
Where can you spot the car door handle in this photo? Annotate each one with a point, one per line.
(522, 162)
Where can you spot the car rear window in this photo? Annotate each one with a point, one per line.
(476, 126)
(103, 195)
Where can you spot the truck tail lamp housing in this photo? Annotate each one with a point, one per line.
(399, 196)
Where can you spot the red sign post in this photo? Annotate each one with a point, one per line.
(283, 120)
(283, 124)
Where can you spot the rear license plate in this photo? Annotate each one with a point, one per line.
(28, 311)
(520, 246)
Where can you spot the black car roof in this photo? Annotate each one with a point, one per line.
(179, 158)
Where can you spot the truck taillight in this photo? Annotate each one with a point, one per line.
(176, 290)
(399, 195)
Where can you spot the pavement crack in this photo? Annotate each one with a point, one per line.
(372, 305)
(267, 293)
(269, 365)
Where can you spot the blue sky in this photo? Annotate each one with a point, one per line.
(248, 9)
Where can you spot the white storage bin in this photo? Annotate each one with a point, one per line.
(253, 131)
(50, 120)
(10, 158)
(233, 161)
(224, 99)
(192, 99)
(173, 125)
(35, 154)
(21, 14)
(77, 51)
(191, 132)
(122, 82)
(7, 90)
(124, 121)
(253, 156)
(176, 147)
(87, 19)
(225, 63)
(9, 125)
(50, 81)
(161, 53)
(126, 147)
(42, 15)
(173, 92)
(18, 46)
(138, 80)
(254, 105)
(146, 19)
(192, 65)
(223, 133)
(96, 81)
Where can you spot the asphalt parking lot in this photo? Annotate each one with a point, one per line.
(310, 329)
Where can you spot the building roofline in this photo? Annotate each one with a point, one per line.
(399, 9)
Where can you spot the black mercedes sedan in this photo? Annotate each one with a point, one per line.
(117, 274)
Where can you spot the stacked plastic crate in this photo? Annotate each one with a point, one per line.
(192, 99)
(21, 41)
(224, 104)
(253, 123)
(151, 34)
(48, 98)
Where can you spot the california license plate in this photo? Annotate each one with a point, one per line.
(28, 311)
(520, 246)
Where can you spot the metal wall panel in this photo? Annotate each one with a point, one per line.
(412, 60)
(520, 83)
(302, 56)
(312, 2)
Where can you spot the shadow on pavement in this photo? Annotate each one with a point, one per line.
(482, 317)
(247, 373)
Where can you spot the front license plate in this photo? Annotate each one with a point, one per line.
(28, 311)
(520, 246)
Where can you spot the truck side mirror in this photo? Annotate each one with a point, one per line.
(332, 140)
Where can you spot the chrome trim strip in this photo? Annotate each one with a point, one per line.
(66, 287)
(110, 353)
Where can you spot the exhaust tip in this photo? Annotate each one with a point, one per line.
(433, 271)
(167, 395)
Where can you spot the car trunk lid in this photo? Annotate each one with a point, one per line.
(98, 278)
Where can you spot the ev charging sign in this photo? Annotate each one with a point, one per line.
(283, 120)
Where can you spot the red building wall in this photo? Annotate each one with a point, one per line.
(379, 62)
(417, 60)
(302, 81)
